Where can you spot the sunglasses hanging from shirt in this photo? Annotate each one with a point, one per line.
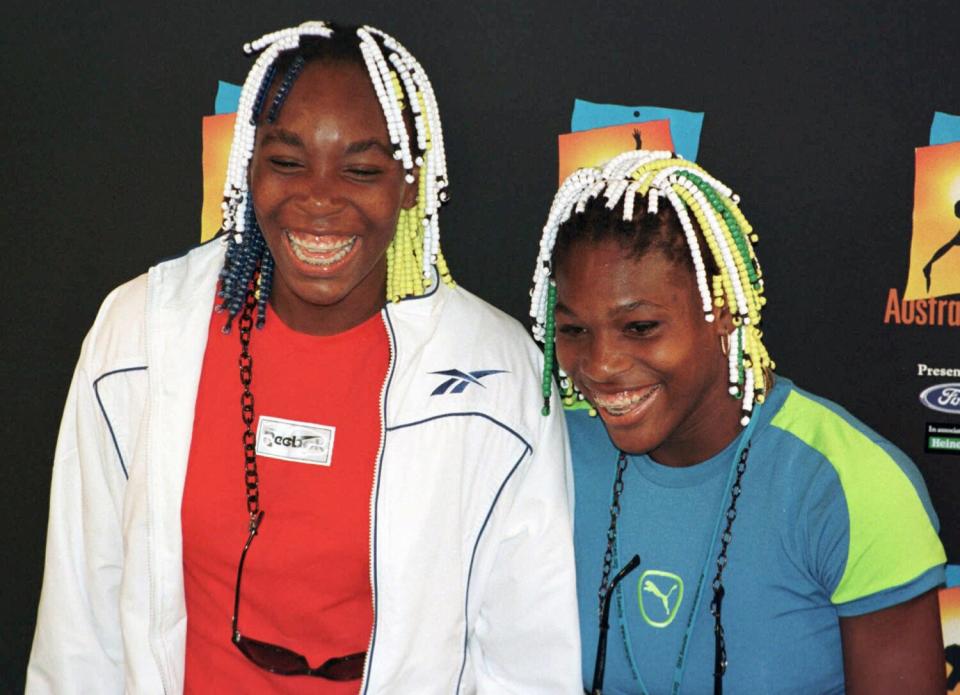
(271, 657)
(608, 586)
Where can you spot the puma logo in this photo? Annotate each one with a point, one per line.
(652, 588)
(659, 588)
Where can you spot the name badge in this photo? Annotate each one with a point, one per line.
(290, 440)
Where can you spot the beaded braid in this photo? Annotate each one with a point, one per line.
(400, 83)
(698, 199)
(281, 96)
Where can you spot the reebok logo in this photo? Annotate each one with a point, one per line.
(459, 381)
(291, 440)
(296, 442)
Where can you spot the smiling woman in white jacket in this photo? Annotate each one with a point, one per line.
(470, 555)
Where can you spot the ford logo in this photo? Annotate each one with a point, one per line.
(942, 397)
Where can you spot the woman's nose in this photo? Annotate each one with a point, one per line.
(321, 193)
(604, 360)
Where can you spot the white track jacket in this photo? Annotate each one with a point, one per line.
(471, 556)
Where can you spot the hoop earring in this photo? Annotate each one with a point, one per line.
(725, 344)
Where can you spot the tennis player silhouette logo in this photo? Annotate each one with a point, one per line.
(934, 268)
(940, 252)
(660, 595)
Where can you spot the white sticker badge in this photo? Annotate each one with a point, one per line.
(290, 440)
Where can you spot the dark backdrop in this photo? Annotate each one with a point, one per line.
(812, 115)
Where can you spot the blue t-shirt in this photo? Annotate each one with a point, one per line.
(833, 521)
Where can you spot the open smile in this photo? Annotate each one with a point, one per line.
(628, 404)
(321, 251)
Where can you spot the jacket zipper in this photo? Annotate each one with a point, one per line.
(373, 493)
(154, 630)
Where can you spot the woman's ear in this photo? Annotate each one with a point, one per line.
(410, 191)
(723, 320)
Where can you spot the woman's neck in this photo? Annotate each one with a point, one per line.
(703, 435)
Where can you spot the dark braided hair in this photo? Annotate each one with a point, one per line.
(655, 199)
(248, 264)
(645, 232)
(250, 256)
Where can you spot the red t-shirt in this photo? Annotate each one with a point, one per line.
(306, 580)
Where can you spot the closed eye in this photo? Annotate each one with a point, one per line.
(282, 163)
(641, 328)
(570, 330)
(364, 172)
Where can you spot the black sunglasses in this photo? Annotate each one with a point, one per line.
(601, 661)
(280, 660)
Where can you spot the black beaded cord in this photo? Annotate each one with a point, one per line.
(720, 652)
(612, 531)
(720, 649)
(251, 477)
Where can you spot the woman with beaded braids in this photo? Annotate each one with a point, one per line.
(369, 502)
(783, 546)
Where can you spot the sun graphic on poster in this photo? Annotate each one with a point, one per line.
(590, 148)
(217, 137)
(935, 247)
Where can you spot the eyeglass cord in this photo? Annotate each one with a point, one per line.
(251, 477)
(720, 652)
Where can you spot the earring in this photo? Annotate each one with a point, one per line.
(725, 344)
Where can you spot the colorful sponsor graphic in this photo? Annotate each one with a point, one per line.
(935, 249)
(590, 148)
(228, 97)
(950, 620)
(944, 398)
(217, 136)
(660, 595)
(685, 126)
(942, 438)
(945, 128)
(935, 246)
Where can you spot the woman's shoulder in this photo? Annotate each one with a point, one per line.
(820, 438)
(454, 320)
(852, 484)
(826, 428)
(117, 336)
(485, 316)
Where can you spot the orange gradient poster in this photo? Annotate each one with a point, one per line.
(935, 247)
(590, 148)
(217, 137)
(950, 617)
